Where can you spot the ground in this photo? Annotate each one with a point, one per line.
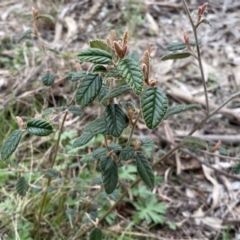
(198, 187)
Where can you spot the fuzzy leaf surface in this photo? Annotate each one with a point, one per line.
(109, 175)
(75, 76)
(131, 72)
(96, 234)
(39, 127)
(117, 91)
(99, 152)
(115, 119)
(103, 92)
(181, 108)
(144, 169)
(48, 78)
(175, 56)
(154, 105)
(75, 111)
(97, 126)
(11, 144)
(95, 55)
(22, 186)
(100, 45)
(127, 153)
(83, 139)
(88, 89)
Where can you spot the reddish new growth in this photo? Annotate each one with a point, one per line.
(201, 9)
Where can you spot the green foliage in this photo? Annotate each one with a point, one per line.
(22, 186)
(48, 78)
(172, 56)
(96, 234)
(11, 144)
(39, 127)
(154, 105)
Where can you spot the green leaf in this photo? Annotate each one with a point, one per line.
(100, 45)
(113, 73)
(99, 152)
(95, 55)
(144, 169)
(147, 142)
(98, 126)
(175, 56)
(88, 89)
(193, 43)
(24, 35)
(39, 127)
(75, 111)
(127, 104)
(103, 92)
(11, 144)
(75, 76)
(117, 91)
(176, 46)
(109, 171)
(181, 108)
(22, 186)
(115, 147)
(131, 72)
(48, 78)
(127, 153)
(115, 119)
(83, 139)
(194, 142)
(46, 16)
(99, 68)
(96, 234)
(154, 105)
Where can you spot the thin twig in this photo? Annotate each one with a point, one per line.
(194, 28)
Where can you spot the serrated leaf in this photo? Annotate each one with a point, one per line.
(128, 104)
(48, 78)
(96, 234)
(109, 175)
(115, 119)
(147, 142)
(176, 46)
(99, 68)
(22, 186)
(175, 56)
(115, 147)
(144, 169)
(99, 152)
(117, 91)
(88, 89)
(98, 126)
(24, 35)
(181, 108)
(75, 76)
(87, 158)
(127, 153)
(154, 105)
(103, 92)
(131, 72)
(39, 127)
(46, 16)
(105, 163)
(191, 141)
(113, 73)
(11, 144)
(100, 45)
(95, 55)
(83, 139)
(75, 111)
